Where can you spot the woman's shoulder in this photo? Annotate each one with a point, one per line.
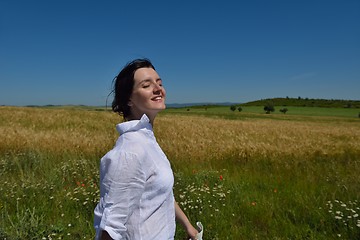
(129, 145)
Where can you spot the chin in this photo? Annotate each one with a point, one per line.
(160, 106)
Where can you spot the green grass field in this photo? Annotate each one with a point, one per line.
(299, 111)
(244, 175)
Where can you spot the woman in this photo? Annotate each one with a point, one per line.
(136, 180)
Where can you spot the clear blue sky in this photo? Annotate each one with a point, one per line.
(68, 52)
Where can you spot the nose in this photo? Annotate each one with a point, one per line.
(157, 88)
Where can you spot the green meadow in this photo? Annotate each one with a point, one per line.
(299, 111)
(244, 175)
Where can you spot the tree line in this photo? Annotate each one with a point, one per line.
(306, 102)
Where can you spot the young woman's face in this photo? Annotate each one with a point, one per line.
(148, 95)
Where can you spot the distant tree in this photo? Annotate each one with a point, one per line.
(232, 107)
(239, 109)
(269, 107)
(348, 105)
(359, 114)
(283, 110)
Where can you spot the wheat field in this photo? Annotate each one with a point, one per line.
(246, 178)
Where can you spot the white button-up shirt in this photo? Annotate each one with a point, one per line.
(136, 187)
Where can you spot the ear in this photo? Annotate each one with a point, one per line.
(130, 104)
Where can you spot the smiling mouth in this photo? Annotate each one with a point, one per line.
(158, 98)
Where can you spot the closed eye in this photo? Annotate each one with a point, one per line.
(147, 83)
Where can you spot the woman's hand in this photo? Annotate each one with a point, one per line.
(184, 221)
(192, 232)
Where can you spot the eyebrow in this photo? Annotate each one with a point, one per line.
(149, 80)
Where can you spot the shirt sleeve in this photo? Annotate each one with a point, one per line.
(123, 180)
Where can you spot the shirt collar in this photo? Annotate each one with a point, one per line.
(134, 125)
